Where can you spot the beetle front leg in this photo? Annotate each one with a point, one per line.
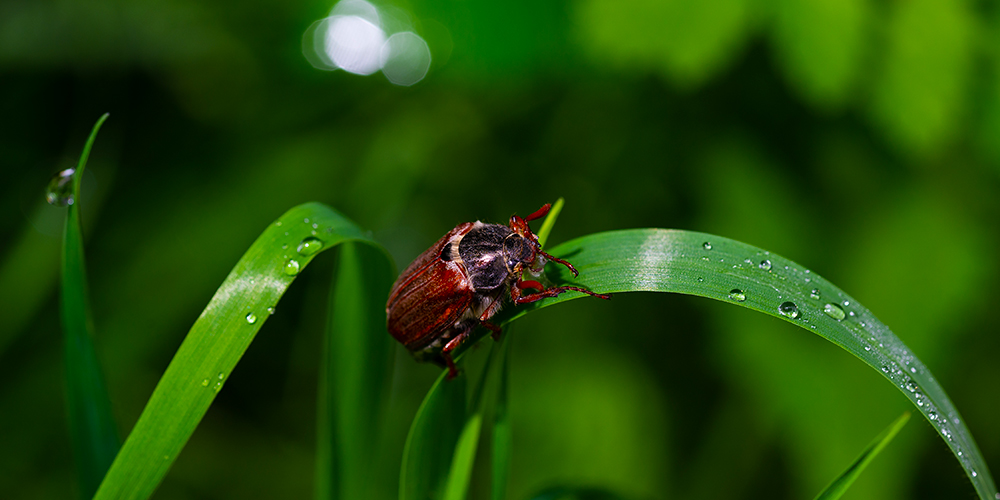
(517, 298)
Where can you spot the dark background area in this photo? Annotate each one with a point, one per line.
(860, 138)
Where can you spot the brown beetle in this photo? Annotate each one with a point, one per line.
(460, 281)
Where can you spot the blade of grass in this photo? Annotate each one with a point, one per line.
(217, 341)
(430, 445)
(354, 375)
(92, 426)
(502, 436)
(464, 458)
(662, 260)
(839, 486)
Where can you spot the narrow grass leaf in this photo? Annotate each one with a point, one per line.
(663, 260)
(430, 445)
(502, 436)
(839, 486)
(550, 221)
(576, 493)
(92, 426)
(354, 376)
(217, 341)
(464, 458)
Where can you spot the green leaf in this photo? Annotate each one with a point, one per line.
(822, 44)
(502, 436)
(92, 426)
(433, 436)
(918, 95)
(839, 486)
(662, 260)
(355, 375)
(576, 493)
(217, 341)
(689, 41)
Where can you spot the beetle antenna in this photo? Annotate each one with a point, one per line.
(563, 262)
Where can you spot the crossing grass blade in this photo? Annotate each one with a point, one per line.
(502, 434)
(92, 426)
(434, 433)
(839, 486)
(354, 376)
(217, 341)
(663, 260)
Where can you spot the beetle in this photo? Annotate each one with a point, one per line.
(460, 283)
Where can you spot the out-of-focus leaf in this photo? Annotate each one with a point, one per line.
(689, 41)
(577, 493)
(356, 368)
(218, 340)
(821, 44)
(502, 435)
(92, 425)
(434, 433)
(919, 94)
(839, 486)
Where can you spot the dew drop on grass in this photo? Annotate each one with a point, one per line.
(737, 295)
(270, 310)
(834, 311)
(292, 267)
(707, 245)
(309, 246)
(765, 265)
(789, 309)
(60, 189)
(204, 383)
(814, 293)
(251, 318)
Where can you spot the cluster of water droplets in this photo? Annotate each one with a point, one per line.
(215, 383)
(877, 341)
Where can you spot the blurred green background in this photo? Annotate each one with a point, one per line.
(860, 138)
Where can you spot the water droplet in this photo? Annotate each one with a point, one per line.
(974, 473)
(765, 265)
(285, 246)
(309, 246)
(218, 386)
(292, 267)
(814, 293)
(204, 383)
(251, 318)
(846, 303)
(747, 260)
(911, 386)
(306, 220)
(315, 226)
(313, 232)
(913, 369)
(868, 347)
(934, 416)
(885, 368)
(222, 375)
(270, 310)
(707, 245)
(60, 190)
(737, 295)
(834, 311)
(277, 223)
(789, 309)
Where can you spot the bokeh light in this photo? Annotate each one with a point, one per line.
(354, 38)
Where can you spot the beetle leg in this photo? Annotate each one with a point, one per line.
(446, 353)
(494, 328)
(563, 262)
(523, 285)
(515, 293)
(541, 212)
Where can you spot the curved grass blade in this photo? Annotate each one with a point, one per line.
(663, 260)
(92, 426)
(839, 486)
(430, 445)
(354, 375)
(217, 341)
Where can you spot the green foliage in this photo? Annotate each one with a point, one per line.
(92, 426)
(225, 329)
(839, 486)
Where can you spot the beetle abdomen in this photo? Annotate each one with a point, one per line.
(433, 300)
